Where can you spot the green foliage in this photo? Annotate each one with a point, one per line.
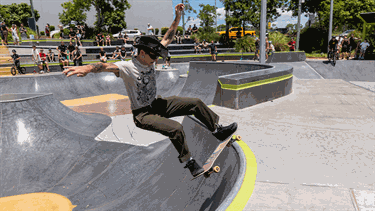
(42, 33)
(164, 30)
(207, 15)
(73, 11)
(180, 29)
(279, 40)
(52, 28)
(221, 27)
(17, 14)
(313, 39)
(157, 31)
(208, 36)
(245, 44)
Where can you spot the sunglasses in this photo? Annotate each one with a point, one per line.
(152, 56)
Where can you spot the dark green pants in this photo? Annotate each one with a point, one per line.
(155, 118)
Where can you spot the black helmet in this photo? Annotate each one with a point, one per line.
(14, 50)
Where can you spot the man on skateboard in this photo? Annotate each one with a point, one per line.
(151, 112)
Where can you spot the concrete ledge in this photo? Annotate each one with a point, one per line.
(286, 57)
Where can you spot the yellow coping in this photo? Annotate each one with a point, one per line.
(248, 184)
(92, 100)
(36, 201)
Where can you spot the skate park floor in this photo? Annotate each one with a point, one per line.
(314, 148)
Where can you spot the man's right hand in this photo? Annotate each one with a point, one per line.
(80, 71)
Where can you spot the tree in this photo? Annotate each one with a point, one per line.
(73, 11)
(207, 16)
(109, 13)
(221, 27)
(17, 14)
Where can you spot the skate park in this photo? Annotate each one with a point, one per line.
(306, 138)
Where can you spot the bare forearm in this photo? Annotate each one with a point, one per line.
(104, 67)
(168, 37)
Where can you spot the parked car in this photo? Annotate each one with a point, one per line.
(132, 34)
(346, 33)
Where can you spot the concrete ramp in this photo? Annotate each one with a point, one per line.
(43, 151)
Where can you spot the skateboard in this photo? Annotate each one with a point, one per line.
(207, 166)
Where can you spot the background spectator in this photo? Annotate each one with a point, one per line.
(134, 51)
(63, 54)
(4, 32)
(16, 60)
(197, 47)
(50, 56)
(72, 35)
(352, 44)
(126, 38)
(116, 53)
(77, 57)
(188, 32)
(61, 31)
(14, 31)
(79, 35)
(70, 51)
(167, 61)
(43, 58)
(36, 58)
(150, 29)
(102, 55)
(257, 44)
(204, 45)
(213, 51)
(100, 39)
(292, 45)
(195, 29)
(23, 32)
(123, 53)
(108, 40)
(178, 38)
(364, 46)
(47, 30)
(83, 32)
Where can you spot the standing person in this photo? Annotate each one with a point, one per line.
(63, 54)
(70, 51)
(151, 112)
(14, 31)
(150, 29)
(43, 58)
(102, 55)
(61, 31)
(50, 56)
(123, 53)
(271, 47)
(77, 57)
(257, 44)
(167, 61)
(116, 53)
(134, 51)
(4, 31)
(79, 36)
(352, 45)
(195, 29)
(345, 48)
(36, 58)
(213, 50)
(292, 45)
(23, 32)
(364, 46)
(47, 30)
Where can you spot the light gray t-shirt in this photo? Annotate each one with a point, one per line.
(140, 82)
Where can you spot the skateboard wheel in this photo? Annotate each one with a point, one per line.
(238, 138)
(216, 169)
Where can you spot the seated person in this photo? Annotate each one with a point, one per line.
(102, 55)
(16, 60)
(120, 36)
(195, 29)
(178, 38)
(134, 51)
(364, 46)
(70, 49)
(122, 53)
(50, 56)
(100, 39)
(77, 57)
(72, 35)
(108, 40)
(204, 45)
(197, 47)
(63, 54)
(36, 58)
(188, 32)
(43, 58)
(116, 53)
(126, 38)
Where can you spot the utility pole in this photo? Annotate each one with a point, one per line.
(262, 36)
(330, 24)
(215, 17)
(298, 25)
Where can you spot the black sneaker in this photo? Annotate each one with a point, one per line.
(223, 133)
(194, 167)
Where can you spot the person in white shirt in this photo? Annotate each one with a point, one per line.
(36, 58)
(364, 46)
(151, 112)
(150, 30)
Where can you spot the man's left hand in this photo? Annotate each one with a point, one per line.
(179, 8)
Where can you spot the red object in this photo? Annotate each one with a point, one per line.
(292, 45)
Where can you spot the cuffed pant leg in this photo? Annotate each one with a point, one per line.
(167, 127)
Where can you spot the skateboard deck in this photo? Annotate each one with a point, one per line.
(207, 166)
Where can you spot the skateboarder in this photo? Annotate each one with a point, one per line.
(151, 112)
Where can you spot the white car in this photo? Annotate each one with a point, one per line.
(346, 33)
(132, 34)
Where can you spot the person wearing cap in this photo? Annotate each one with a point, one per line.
(16, 60)
(50, 56)
(150, 29)
(271, 48)
(151, 112)
(43, 58)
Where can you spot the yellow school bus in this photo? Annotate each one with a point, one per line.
(236, 32)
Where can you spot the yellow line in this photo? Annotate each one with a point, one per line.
(92, 100)
(248, 184)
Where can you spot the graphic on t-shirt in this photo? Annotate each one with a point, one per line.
(145, 86)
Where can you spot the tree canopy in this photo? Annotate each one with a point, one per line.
(207, 16)
(73, 11)
(17, 14)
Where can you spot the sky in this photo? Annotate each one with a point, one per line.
(281, 22)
